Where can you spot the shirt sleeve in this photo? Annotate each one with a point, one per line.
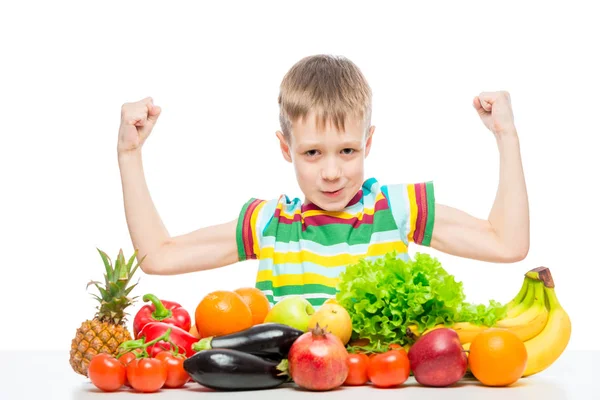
(253, 219)
(413, 208)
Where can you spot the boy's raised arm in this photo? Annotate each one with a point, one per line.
(504, 236)
(206, 248)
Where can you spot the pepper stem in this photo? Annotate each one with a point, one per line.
(160, 311)
(131, 345)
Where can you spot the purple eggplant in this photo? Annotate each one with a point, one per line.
(268, 340)
(227, 369)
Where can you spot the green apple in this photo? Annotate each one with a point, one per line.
(294, 311)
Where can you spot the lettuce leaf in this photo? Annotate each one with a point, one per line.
(386, 296)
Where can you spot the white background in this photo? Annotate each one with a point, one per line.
(215, 69)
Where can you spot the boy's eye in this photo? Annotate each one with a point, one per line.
(348, 151)
(311, 153)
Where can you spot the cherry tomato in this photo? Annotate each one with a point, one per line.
(147, 374)
(157, 348)
(106, 372)
(125, 360)
(357, 370)
(395, 346)
(389, 369)
(176, 375)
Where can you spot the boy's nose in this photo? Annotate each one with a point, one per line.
(331, 172)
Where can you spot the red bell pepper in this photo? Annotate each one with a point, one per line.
(166, 311)
(177, 337)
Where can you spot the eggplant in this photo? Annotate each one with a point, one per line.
(267, 340)
(227, 369)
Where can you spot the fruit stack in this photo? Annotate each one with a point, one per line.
(532, 336)
(238, 341)
(528, 339)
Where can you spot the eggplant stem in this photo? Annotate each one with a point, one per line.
(283, 366)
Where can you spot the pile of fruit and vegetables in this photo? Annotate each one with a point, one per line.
(390, 319)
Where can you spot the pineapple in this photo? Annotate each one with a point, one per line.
(107, 330)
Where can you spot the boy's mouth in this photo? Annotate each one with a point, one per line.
(333, 193)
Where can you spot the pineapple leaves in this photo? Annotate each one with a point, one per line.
(90, 283)
(103, 292)
(130, 263)
(114, 296)
(97, 298)
(119, 266)
(131, 288)
(114, 289)
(137, 265)
(107, 263)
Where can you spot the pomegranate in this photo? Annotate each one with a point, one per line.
(318, 360)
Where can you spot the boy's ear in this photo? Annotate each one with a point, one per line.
(285, 147)
(369, 140)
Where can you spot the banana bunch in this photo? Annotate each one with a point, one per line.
(534, 315)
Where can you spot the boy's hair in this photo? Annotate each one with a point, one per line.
(332, 87)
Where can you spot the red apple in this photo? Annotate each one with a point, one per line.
(437, 358)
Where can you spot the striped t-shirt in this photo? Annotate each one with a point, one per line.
(302, 249)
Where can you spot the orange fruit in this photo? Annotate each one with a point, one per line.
(497, 357)
(194, 332)
(257, 301)
(222, 312)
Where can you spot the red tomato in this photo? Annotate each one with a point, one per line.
(176, 375)
(157, 348)
(389, 369)
(357, 370)
(147, 374)
(125, 360)
(106, 372)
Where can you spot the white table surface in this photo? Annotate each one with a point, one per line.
(48, 375)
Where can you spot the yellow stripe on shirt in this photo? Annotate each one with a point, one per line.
(412, 201)
(307, 278)
(377, 249)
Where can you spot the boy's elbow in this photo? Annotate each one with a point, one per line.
(517, 256)
(152, 263)
(148, 268)
(522, 253)
(518, 253)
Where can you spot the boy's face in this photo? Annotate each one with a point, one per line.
(329, 164)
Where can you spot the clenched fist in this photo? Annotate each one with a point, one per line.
(137, 121)
(495, 111)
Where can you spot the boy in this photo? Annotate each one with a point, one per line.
(326, 133)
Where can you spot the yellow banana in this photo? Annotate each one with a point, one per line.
(532, 321)
(466, 331)
(526, 301)
(512, 309)
(526, 316)
(544, 349)
(526, 324)
(466, 347)
(520, 324)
